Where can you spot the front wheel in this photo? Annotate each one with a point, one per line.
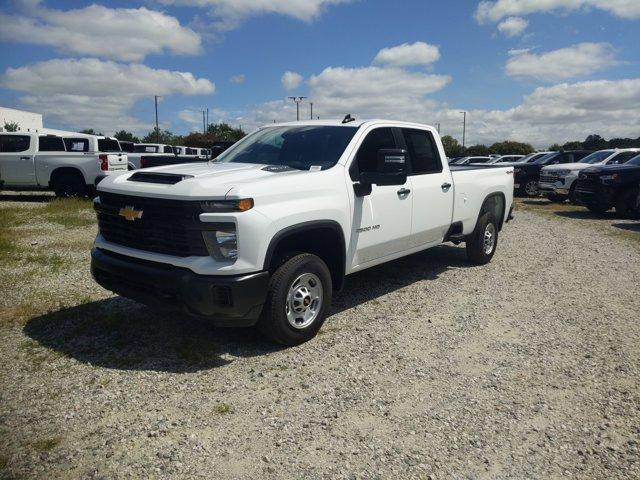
(482, 243)
(299, 296)
(531, 188)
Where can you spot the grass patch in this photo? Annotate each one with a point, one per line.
(46, 444)
(223, 408)
(4, 461)
(69, 212)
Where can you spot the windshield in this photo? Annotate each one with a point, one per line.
(543, 160)
(300, 147)
(108, 145)
(596, 157)
(634, 161)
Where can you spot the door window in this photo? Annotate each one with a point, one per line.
(14, 143)
(622, 158)
(75, 144)
(51, 144)
(422, 151)
(367, 157)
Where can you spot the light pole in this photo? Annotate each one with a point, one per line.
(298, 101)
(464, 127)
(204, 128)
(155, 97)
(311, 115)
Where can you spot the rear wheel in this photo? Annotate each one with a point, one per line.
(69, 185)
(572, 193)
(531, 188)
(482, 243)
(298, 300)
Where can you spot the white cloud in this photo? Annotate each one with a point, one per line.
(127, 34)
(494, 11)
(91, 92)
(291, 80)
(573, 61)
(237, 79)
(518, 51)
(418, 53)
(229, 13)
(513, 26)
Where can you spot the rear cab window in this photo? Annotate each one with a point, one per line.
(145, 149)
(108, 145)
(51, 144)
(14, 143)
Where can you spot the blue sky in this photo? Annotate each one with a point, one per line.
(530, 70)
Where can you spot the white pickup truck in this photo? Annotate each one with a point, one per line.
(266, 233)
(68, 165)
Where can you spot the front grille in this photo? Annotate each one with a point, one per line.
(169, 227)
(548, 178)
(588, 183)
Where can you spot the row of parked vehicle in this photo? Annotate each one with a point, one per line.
(72, 164)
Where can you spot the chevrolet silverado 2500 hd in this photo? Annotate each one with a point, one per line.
(68, 165)
(266, 234)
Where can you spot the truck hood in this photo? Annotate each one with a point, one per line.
(201, 180)
(567, 166)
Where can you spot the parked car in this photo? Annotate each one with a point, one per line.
(468, 160)
(506, 159)
(558, 182)
(527, 175)
(602, 187)
(532, 157)
(66, 165)
(267, 233)
(147, 149)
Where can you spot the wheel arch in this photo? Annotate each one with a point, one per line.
(495, 203)
(324, 238)
(55, 173)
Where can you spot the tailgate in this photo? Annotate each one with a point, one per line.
(118, 161)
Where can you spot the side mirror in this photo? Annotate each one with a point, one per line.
(391, 170)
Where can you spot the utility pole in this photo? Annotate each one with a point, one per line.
(204, 128)
(438, 128)
(311, 116)
(207, 129)
(464, 127)
(155, 97)
(298, 101)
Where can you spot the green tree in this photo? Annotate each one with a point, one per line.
(11, 126)
(225, 132)
(509, 147)
(91, 131)
(452, 147)
(199, 140)
(478, 150)
(158, 135)
(572, 146)
(555, 148)
(126, 136)
(594, 142)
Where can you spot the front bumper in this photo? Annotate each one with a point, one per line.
(228, 301)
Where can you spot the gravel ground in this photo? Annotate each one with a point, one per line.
(428, 368)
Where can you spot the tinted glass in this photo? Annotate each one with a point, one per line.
(622, 157)
(300, 147)
(108, 145)
(168, 149)
(51, 144)
(568, 158)
(547, 159)
(479, 159)
(145, 149)
(422, 151)
(596, 157)
(367, 156)
(14, 143)
(75, 144)
(126, 147)
(634, 161)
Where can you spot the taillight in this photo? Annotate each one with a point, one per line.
(143, 162)
(104, 162)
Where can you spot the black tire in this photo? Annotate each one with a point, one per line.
(530, 188)
(477, 251)
(572, 193)
(625, 203)
(274, 322)
(69, 185)
(596, 208)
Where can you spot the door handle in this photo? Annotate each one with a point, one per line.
(25, 158)
(445, 186)
(403, 191)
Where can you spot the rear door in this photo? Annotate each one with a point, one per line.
(17, 161)
(432, 188)
(382, 220)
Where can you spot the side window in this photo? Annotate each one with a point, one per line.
(622, 158)
(567, 158)
(422, 151)
(14, 143)
(51, 144)
(168, 149)
(367, 157)
(75, 144)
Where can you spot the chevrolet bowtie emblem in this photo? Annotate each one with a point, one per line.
(130, 213)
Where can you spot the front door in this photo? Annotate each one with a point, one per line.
(16, 160)
(382, 220)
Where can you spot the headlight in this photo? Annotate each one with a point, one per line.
(222, 242)
(216, 206)
(563, 173)
(608, 178)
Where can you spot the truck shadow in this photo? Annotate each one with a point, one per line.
(121, 334)
(26, 197)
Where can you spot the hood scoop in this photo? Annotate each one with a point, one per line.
(158, 177)
(277, 168)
